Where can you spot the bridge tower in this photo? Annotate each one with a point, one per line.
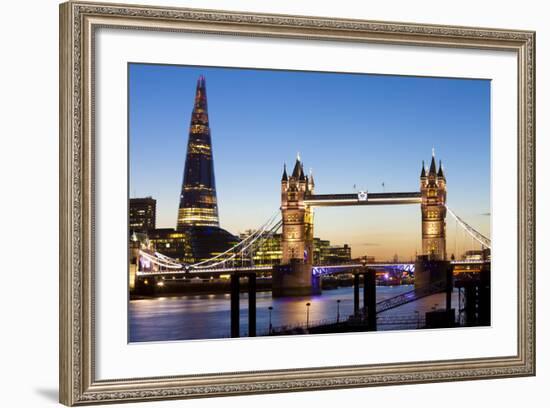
(433, 188)
(293, 277)
(432, 268)
(297, 242)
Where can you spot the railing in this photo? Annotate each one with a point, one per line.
(304, 325)
(398, 320)
(410, 296)
(402, 320)
(470, 262)
(332, 269)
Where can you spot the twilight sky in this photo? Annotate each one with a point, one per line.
(351, 129)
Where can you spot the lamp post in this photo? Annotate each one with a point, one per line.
(307, 314)
(270, 308)
(363, 271)
(337, 310)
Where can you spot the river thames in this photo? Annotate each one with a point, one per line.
(204, 316)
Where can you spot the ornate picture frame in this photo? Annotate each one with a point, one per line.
(78, 24)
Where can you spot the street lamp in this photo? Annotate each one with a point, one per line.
(307, 314)
(270, 308)
(337, 310)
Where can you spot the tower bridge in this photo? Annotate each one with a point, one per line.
(297, 275)
(298, 199)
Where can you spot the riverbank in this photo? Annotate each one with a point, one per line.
(169, 287)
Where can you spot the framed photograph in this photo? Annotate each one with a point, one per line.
(256, 203)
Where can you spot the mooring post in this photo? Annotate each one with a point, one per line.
(365, 291)
(370, 284)
(485, 295)
(252, 305)
(355, 294)
(235, 305)
(449, 287)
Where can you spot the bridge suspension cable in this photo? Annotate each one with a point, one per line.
(483, 240)
(262, 236)
(264, 232)
(155, 259)
(251, 237)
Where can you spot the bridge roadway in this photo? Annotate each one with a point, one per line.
(317, 269)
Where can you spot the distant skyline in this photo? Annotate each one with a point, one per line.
(371, 131)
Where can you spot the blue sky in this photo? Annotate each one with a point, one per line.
(351, 129)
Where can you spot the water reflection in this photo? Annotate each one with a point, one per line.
(208, 316)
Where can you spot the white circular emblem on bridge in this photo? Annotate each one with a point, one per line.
(362, 196)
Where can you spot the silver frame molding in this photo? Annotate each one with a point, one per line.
(78, 22)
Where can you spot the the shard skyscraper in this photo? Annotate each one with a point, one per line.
(198, 203)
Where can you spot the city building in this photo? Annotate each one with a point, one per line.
(270, 252)
(198, 202)
(172, 243)
(193, 244)
(335, 254)
(198, 208)
(320, 248)
(477, 255)
(207, 242)
(142, 214)
(473, 268)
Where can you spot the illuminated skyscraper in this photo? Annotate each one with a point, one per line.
(198, 203)
(198, 210)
